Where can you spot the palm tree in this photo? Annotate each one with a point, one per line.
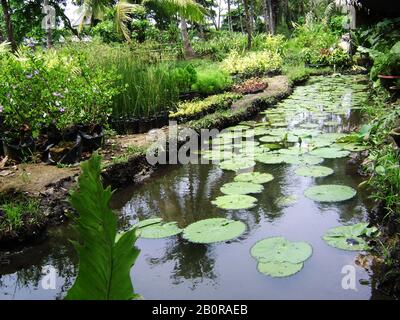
(7, 19)
(186, 9)
(247, 21)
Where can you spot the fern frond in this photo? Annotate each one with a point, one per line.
(105, 259)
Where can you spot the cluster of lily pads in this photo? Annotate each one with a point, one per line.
(203, 231)
(283, 137)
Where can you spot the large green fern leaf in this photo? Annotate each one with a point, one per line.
(105, 259)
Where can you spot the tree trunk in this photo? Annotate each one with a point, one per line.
(271, 17)
(1, 36)
(266, 16)
(229, 16)
(9, 26)
(49, 31)
(248, 26)
(252, 20)
(188, 51)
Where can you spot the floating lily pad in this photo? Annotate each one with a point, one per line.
(271, 139)
(255, 177)
(241, 188)
(213, 230)
(278, 249)
(314, 171)
(293, 151)
(236, 164)
(349, 237)
(235, 202)
(271, 146)
(330, 153)
(279, 269)
(352, 147)
(309, 125)
(147, 222)
(270, 158)
(286, 201)
(159, 230)
(330, 193)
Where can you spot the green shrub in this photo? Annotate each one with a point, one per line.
(184, 76)
(40, 88)
(253, 63)
(211, 80)
(386, 64)
(18, 214)
(195, 109)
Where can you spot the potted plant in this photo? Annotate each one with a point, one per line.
(386, 68)
(395, 134)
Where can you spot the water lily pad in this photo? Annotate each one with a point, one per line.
(279, 269)
(314, 171)
(349, 237)
(352, 147)
(213, 230)
(330, 153)
(241, 188)
(237, 163)
(235, 202)
(309, 125)
(255, 177)
(271, 146)
(278, 249)
(270, 158)
(271, 139)
(286, 201)
(159, 230)
(330, 193)
(147, 222)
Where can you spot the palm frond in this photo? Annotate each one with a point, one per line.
(123, 10)
(330, 8)
(188, 9)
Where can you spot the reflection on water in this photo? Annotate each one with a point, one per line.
(176, 269)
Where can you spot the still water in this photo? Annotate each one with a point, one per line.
(173, 268)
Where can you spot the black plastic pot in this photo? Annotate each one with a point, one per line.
(93, 141)
(145, 125)
(68, 155)
(20, 151)
(132, 126)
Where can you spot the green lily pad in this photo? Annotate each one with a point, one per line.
(237, 163)
(271, 139)
(147, 222)
(330, 193)
(159, 230)
(314, 171)
(255, 177)
(286, 201)
(270, 158)
(278, 249)
(279, 269)
(309, 125)
(352, 147)
(330, 153)
(235, 202)
(271, 146)
(241, 188)
(349, 237)
(213, 230)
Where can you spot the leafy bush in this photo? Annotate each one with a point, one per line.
(211, 80)
(253, 63)
(386, 64)
(18, 214)
(185, 76)
(197, 108)
(37, 89)
(222, 42)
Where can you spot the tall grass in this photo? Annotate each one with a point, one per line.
(151, 87)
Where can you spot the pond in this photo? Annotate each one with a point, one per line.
(173, 268)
